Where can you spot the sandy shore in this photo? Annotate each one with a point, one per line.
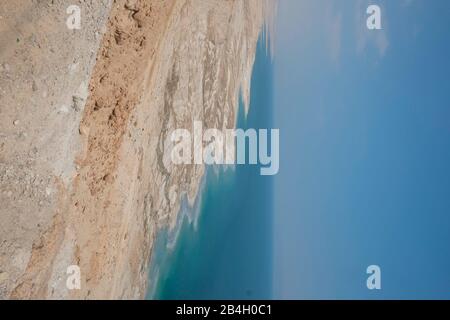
(107, 184)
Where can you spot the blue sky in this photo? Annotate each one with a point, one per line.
(364, 118)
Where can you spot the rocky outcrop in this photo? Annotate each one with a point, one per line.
(90, 183)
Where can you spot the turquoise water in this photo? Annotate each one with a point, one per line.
(223, 248)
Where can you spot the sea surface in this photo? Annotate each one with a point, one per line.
(222, 247)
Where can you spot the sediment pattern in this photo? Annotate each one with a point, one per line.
(160, 65)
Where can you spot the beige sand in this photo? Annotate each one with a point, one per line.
(92, 185)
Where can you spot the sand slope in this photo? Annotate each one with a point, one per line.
(107, 183)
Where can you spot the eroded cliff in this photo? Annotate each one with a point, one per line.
(90, 183)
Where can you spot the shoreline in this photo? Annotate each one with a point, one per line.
(156, 70)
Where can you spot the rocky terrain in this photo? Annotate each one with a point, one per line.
(85, 176)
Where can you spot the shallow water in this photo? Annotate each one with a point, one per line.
(227, 253)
